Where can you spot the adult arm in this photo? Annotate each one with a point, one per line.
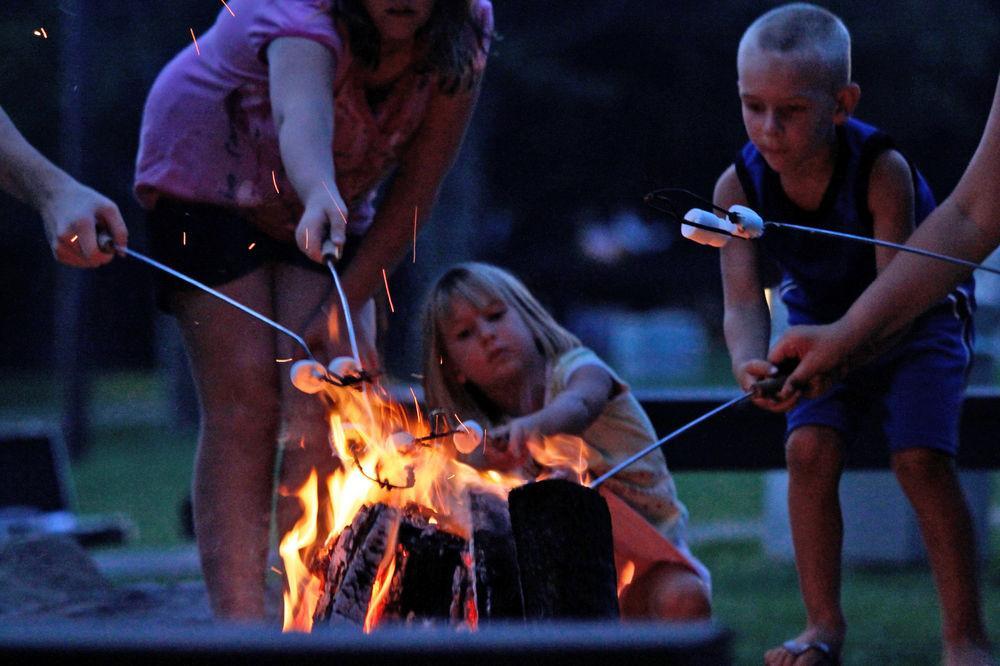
(71, 212)
(965, 225)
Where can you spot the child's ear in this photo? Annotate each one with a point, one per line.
(847, 100)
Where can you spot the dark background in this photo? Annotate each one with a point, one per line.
(586, 106)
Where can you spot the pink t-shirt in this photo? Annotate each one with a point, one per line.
(208, 134)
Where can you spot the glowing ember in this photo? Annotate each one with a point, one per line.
(395, 458)
(197, 50)
(41, 33)
(227, 7)
(392, 308)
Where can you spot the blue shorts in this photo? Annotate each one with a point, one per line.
(914, 390)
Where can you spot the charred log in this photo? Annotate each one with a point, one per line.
(498, 578)
(562, 531)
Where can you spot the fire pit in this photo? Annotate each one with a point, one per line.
(420, 537)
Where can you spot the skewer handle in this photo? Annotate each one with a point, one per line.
(331, 251)
(105, 242)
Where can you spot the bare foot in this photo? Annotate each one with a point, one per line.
(813, 646)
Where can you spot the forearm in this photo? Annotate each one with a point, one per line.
(389, 237)
(569, 413)
(24, 172)
(747, 328)
(911, 284)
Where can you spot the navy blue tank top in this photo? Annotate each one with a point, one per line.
(822, 276)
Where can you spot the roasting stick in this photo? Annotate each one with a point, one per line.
(743, 222)
(331, 253)
(764, 387)
(107, 244)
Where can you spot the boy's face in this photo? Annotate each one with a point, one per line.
(788, 111)
(489, 346)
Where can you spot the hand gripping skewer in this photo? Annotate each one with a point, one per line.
(764, 387)
(707, 228)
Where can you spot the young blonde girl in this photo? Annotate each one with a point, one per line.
(494, 354)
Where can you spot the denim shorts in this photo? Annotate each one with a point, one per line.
(914, 390)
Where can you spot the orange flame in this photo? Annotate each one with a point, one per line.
(384, 460)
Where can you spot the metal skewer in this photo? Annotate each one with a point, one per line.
(664, 204)
(330, 255)
(107, 244)
(765, 387)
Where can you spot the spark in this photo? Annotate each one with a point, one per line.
(414, 235)
(440, 360)
(252, 245)
(184, 238)
(227, 7)
(307, 239)
(416, 406)
(451, 477)
(283, 360)
(73, 239)
(386, 280)
(195, 40)
(41, 33)
(276, 570)
(334, 200)
(274, 179)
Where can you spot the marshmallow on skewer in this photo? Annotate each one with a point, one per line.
(704, 236)
(343, 366)
(468, 436)
(748, 223)
(307, 376)
(401, 441)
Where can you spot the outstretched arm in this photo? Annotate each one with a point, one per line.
(587, 393)
(300, 75)
(747, 319)
(72, 212)
(966, 225)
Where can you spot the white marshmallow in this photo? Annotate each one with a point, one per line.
(306, 376)
(704, 236)
(343, 366)
(749, 224)
(468, 437)
(401, 441)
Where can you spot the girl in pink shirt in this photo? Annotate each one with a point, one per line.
(276, 126)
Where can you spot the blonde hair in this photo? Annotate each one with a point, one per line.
(479, 284)
(807, 30)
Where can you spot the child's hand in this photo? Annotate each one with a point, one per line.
(507, 446)
(324, 218)
(757, 369)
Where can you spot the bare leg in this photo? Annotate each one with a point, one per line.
(929, 480)
(232, 359)
(815, 461)
(667, 592)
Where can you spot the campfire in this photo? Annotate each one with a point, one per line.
(416, 535)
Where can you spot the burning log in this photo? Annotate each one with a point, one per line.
(395, 565)
(564, 549)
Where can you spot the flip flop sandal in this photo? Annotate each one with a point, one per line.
(798, 648)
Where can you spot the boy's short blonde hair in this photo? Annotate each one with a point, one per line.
(479, 284)
(806, 30)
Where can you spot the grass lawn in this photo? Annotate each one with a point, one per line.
(140, 466)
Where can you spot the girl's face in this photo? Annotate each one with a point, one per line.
(788, 114)
(398, 20)
(491, 346)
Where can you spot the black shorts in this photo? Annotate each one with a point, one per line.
(216, 245)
